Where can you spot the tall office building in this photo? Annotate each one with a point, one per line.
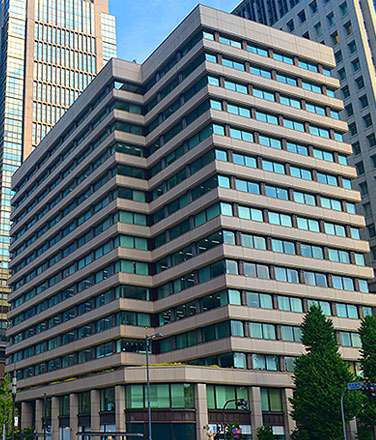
(50, 51)
(349, 27)
(195, 195)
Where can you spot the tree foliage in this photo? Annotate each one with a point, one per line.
(320, 377)
(367, 417)
(265, 433)
(6, 404)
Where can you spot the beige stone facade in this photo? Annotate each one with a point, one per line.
(196, 196)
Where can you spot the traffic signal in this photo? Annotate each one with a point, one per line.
(370, 389)
(242, 404)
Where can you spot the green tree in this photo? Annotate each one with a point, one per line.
(320, 377)
(265, 433)
(6, 404)
(367, 417)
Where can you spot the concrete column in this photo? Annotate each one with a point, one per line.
(55, 418)
(352, 430)
(256, 409)
(73, 416)
(120, 408)
(290, 424)
(26, 415)
(95, 408)
(38, 415)
(201, 404)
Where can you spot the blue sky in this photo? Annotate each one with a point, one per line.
(143, 24)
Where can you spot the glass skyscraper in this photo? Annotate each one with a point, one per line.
(50, 51)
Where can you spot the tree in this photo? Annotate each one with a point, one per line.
(265, 433)
(6, 404)
(229, 428)
(320, 377)
(367, 417)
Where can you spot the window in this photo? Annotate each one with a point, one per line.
(283, 246)
(356, 64)
(363, 188)
(286, 275)
(315, 279)
(308, 224)
(360, 168)
(345, 91)
(290, 102)
(259, 300)
(318, 28)
(344, 8)
(257, 50)
(348, 339)
(265, 362)
(356, 147)
(276, 218)
(353, 129)
(314, 7)
(262, 331)
(371, 140)
(352, 47)
(290, 25)
(302, 16)
(348, 28)
(290, 304)
(263, 94)
(338, 56)
(349, 110)
(347, 311)
(367, 120)
(330, 18)
(289, 333)
(271, 400)
(367, 209)
(324, 305)
(359, 82)
(335, 38)
(342, 74)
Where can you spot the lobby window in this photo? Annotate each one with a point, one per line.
(348, 28)
(218, 395)
(352, 46)
(271, 400)
(107, 399)
(359, 82)
(367, 120)
(176, 396)
(302, 16)
(363, 101)
(331, 19)
(84, 403)
(64, 405)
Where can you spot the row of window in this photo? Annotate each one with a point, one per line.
(123, 291)
(262, 271)
(258, 242)
(249, 89)
(281, 168)
(265, 73)
(275, 120)
(267, 52)
(98, 326)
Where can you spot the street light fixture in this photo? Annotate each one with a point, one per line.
(14, 392)
(148, 346)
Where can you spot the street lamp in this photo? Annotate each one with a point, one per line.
(148, 345)
(14, 392)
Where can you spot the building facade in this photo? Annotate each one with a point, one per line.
(50, 51)
(194, 195)
(349, 27)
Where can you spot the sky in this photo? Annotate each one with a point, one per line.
(143, 24)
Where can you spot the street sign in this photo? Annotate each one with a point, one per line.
(354, 386)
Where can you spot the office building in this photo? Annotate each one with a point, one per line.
(349, 27)
(50, 51)
(197, 196)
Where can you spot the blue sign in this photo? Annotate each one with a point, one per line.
(355, 386)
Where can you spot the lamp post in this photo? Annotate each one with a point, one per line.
(14, 392)
(148, 345)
